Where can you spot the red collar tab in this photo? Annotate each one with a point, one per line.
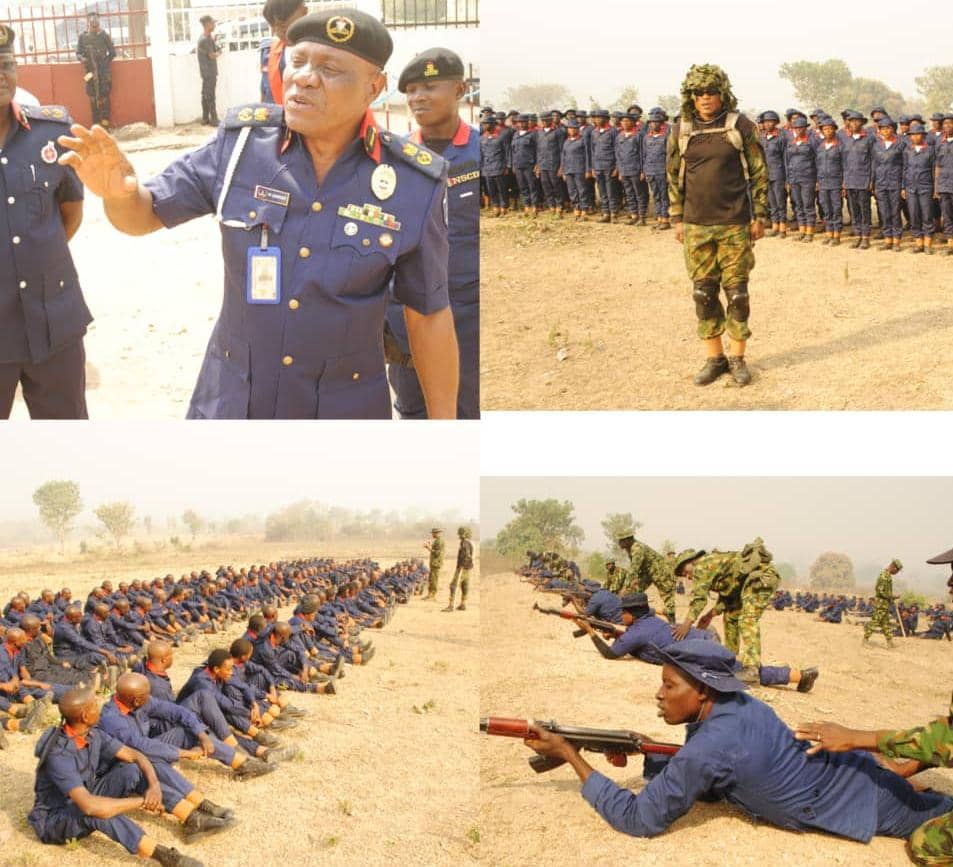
(155, 671)
(462, 136)
(19, 116)
(10, 649)
(371, 136)
(79, 740)
(124, 709)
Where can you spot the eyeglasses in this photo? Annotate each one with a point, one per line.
(706, 91)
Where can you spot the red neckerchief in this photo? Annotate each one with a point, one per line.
(770, 135)
(11, 649)
(662, 130)
(79, 740)
(798, 140)
(253, 635)
(892, 140)
(460, 138)
(19, 116)
(628, 133)
(124, 709)
(275, 82)
(271, 639)
(153, 669)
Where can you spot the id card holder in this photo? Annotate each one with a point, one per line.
(264, 273)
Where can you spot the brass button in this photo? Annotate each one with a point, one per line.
(252, 215)
(316, 207)
(294, 304)
(228, 354)
(304, 252)
(355, 376)
(23, 284)
(15, 239)
(10, 200)
(287, 361)
(366, 242)
(386, 239)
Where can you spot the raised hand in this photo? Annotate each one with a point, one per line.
(96, 157)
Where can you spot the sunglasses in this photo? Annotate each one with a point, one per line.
(706, 91)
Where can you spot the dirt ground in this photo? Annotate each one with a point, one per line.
(531, 667)
(383, 776)
(593, 316)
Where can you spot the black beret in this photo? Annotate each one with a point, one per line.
(434, 64)
(348, 29)
(6, 39)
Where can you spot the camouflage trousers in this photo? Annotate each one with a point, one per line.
(879, 621)
(932, 842)
(743, 627)
(721, 255)
(434, 578)
(665, 584)
(463, 576)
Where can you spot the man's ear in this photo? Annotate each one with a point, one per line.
(377, 84)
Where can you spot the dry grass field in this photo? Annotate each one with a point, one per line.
(383, 775)
(532, 667)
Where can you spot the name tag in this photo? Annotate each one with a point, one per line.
(273, 197)
(264, 275)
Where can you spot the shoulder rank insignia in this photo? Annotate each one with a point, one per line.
(259, 114)
(423, 160)
(55, 113)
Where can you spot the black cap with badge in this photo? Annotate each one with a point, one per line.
(348, 29)
(434, 64)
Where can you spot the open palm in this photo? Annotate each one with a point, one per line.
(95, 156)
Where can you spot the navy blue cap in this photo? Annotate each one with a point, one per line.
(827, 120)
(856, 115)
(523, 117)
(572, 124)
(818, 112)
(617, 114)
(904, 118)
(599, 112)
(708, 662)
(799, 122)
(634, 600)
(879, 108)
(350, 30)
(635, 108)
(937, 115)
(916, 127)
(581, 112)
(770, 115)
(887, 121)
(434, 64)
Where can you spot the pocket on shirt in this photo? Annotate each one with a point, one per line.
(354, 386)
(363, 259)
(223, 389)
(66, 312)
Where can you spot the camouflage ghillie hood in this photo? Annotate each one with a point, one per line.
(706, 75)
(755, 556)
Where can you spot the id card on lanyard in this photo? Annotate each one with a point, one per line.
(263, 283)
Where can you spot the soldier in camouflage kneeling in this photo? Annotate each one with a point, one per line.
(927, 746)
(718, 193)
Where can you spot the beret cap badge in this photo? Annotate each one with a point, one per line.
(340, 29)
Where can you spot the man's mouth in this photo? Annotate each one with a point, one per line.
(296, 100)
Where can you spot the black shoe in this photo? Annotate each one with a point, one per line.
(808, 676)
(857, 243)
(254, 767)
(605, 218)
(293, 712)
(266, 740)
(714, 367)
(202, 825)
(34, 717)
(215, 810)
(272, 757)
(367, 656)
(280, 725)
(739, 370)
(169, 857)
(329, 688)
(865, 243)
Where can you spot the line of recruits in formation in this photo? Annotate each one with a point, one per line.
(102, 763)
(332, 228)
(562, 161)
(821, 776)
(742, 582)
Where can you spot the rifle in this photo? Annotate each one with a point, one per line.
(616, 745)
(614, 628)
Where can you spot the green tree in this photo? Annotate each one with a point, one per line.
(629, 96)
(818, 84)
(540, 525)
(936, 88)
(671, 103)
(596, 567)
(536, 98)
(786, 571)
(118, 519)
(614, 525)
(193, 520)
(832, 570)
(59, 503)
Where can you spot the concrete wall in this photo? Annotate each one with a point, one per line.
(238, 76)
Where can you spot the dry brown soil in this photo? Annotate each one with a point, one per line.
(531, 667)
(832, 328)
(383, 776)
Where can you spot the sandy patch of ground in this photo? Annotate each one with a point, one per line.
(832, 328)
(532, 667)
(383, 778)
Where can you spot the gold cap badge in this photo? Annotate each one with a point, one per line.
(340, 29)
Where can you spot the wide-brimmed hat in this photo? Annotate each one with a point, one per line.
(707, 662)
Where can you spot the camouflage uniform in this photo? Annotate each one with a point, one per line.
(718, 255)
(647, 566)
(932, 744)
(881, 616)
(436, 562)
(464, 565)
(756, 594)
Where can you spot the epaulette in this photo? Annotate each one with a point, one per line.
(256, 114)
(418, 156)
(55, 113)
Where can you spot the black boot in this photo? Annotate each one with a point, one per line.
(201, 824)
(714, 367)
(254, 767)
(215, 810)
(739, 370)
(808, 676)
(173, 858)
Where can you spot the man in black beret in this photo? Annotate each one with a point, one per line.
(322, 214)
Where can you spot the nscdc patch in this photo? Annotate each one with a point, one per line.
(340, 29)
(410, 149)
(424, 158)
(245, 115)
(48, 153)
(430, 70)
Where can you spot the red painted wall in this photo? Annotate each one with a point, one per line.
(62, 84)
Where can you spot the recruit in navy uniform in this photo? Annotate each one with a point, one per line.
(43, 316)
(320, 212)
(433, 82)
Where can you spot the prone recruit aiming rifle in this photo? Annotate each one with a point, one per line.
(616, 745)
(614, 628)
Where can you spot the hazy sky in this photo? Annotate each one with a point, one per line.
(872, 520)
(598, 47)
(236, 469)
